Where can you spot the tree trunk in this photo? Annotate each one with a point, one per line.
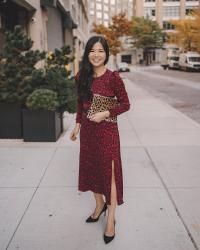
(115, 61)
(146, 57)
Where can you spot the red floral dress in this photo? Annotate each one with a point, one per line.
(100, 142)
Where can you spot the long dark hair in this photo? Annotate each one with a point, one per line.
(86, 72)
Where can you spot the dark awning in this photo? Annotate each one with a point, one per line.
(68, 21)
(52, 3)
(47, 3)
(25, 4)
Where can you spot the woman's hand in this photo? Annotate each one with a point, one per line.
(99, 116)
(75, 132)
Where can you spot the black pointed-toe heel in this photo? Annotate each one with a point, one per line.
(108, 239)
(90, 219)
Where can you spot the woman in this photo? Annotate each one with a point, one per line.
(100, 168)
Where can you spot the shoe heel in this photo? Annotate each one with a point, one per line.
(90, 219)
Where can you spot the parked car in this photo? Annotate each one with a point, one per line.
(123, 67)
(190, 61)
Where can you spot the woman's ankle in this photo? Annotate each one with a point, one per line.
(110, 219)
(100, 204)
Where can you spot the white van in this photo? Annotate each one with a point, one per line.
(189, 61)
(170, 58)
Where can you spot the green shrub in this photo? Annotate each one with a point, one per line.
(17, 62)
(19, 77)
(42, 99)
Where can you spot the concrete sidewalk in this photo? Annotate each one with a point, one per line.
(41, 209)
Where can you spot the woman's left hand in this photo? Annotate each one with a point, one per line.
(99, 116)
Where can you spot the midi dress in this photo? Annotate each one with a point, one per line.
(100, 142)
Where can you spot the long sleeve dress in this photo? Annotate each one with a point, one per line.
(100, 142)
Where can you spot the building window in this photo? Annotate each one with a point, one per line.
(99, 14)
(153, 12)
(171, 11)
(106, 16)
(99, 6)
(92, 5)
(149, 0)
(188, 10)
(168, 26)
(148, 11)
(105, 7)
(106, 23)
(112, 9)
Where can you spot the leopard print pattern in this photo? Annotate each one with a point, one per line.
(102, 103)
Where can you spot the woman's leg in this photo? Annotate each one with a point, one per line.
(99, 205)
(110, 228)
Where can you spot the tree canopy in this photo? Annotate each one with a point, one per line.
(146, 33)
(120, 26)
(187, 32)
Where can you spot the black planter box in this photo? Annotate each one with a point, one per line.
(61, 122)
(10, 121)
(41, 125)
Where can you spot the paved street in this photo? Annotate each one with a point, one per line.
(41, 208)
(179, 89)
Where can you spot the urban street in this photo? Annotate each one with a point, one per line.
(179, 89)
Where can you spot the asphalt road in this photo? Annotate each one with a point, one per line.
(179, 89)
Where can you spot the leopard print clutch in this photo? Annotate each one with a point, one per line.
(102, 103)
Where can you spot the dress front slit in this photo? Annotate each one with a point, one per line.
(113, 177)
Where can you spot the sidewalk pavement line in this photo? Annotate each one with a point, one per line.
(164, 185)
(26, 209)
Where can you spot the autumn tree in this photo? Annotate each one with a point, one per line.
(196, 16)
(183, 35)
(147, 35)
(187, 32)
(120, 26)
